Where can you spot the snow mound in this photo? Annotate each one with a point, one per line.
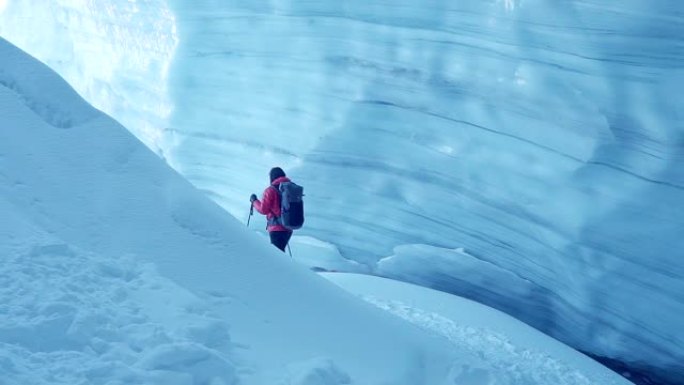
(508, 351)
(523, 366)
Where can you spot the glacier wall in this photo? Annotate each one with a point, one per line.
(114, 53)
(543, 138)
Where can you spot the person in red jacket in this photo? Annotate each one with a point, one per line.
(269, 205)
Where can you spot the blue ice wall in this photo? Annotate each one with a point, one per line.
(544, 138)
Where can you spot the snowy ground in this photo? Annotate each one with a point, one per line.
(71, 317)
(525, 355)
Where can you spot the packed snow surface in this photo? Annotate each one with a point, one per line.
(528, 154)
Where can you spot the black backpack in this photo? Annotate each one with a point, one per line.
(290, 195)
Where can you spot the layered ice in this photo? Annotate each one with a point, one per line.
(544, 138)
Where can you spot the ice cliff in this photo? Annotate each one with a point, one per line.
(529, 154)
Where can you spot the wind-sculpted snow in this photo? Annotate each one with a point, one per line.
(545, 138)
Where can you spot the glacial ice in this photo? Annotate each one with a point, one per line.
(544, 138)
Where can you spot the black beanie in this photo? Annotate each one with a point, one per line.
(275, 173)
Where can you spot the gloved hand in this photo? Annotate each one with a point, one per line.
(253, 198)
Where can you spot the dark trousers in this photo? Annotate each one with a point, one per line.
(280, 238)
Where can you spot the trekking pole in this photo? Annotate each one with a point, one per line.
(251, 212)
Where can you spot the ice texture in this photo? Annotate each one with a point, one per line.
(544, 138)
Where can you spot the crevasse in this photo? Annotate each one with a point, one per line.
(543, 138)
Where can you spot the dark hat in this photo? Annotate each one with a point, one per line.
(275, 173)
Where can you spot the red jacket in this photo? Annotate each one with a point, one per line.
(269, 205)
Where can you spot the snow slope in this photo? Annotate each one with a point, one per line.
(544, 138)
(525, 354)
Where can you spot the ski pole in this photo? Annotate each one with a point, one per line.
(251, 212)
(289, 250)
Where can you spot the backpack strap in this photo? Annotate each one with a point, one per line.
(276, 219)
